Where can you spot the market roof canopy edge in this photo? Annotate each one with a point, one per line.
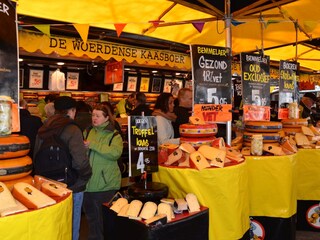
(273, 21)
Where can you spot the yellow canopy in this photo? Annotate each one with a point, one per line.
(176, 24)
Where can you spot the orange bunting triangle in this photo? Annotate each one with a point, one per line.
(83, 30)
(119, 28)
(44, 28)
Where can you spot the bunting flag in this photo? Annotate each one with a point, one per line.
(309, 26)
(83, 30)
(44, 28)
(199, 26)
(236, 23)
(271, 21)
(119, 28)
(156, 23)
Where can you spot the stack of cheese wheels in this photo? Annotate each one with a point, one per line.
(198, 134)
(15, 164)
(293, 126)
(268, 130)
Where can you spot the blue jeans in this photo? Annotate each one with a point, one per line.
(76, 214)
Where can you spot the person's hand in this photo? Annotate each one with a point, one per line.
(86, 143)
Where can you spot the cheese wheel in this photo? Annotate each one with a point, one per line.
(197, 142)
(292, 130)
(54, 190)
(31, 197)
(15, 168)
(14, 146)
(263, 126)
(266, 137)
(6, 198)
(203, 130)
(294, 122)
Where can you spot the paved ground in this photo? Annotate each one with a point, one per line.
(304, 235)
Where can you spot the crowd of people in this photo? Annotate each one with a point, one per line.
(94, 142)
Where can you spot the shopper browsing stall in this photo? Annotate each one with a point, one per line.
(104, 146)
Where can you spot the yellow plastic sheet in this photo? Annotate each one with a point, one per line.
(272, 185)
(223, 190)
(308, 165)
(50, 223)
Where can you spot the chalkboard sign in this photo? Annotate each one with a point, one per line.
(143, 145)
(211, 69)
(287, 86)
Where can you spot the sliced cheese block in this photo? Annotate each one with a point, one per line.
(168, 201)
(313, 139)
(54, 190)
(187, 147)
(149, 210)
(31, 197)
(174, 157)
(197, 142)
(286, 144)
(166, 209)
(263, 126)
(219, 143)
(301, 139)
(307, 131)
(246, 151)
(39, 180)
(236, 140)
(315, 130)
(215, 155)
(192, 130)
(124, 211)
(134, 208)
(233, 153)
(236, 146)
(119, 204)
(6, 198)
(272, 148)
(160, 218)
(199, 160)
(13, 210)
(196, 120)
(181, 204)
(193, 203)
(184, 160)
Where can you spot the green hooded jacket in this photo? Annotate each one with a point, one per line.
(105, 149)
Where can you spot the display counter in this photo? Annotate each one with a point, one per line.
(308, 190)
(186, 226)
(223, 190)
(273, 194)
(50, 223)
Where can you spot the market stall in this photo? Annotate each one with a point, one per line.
(223, 190)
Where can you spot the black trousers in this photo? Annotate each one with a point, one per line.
(92, 206)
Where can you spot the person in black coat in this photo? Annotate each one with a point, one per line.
(141, 106)
(29, 125)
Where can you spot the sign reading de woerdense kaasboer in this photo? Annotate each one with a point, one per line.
(8, 50)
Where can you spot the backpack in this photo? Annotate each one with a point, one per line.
(53, 160)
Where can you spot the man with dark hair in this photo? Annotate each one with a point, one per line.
(183, 110)
(70, 134)
(141, 106)
(125, 106)
(306, 103)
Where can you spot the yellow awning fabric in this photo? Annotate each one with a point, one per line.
(139, 15)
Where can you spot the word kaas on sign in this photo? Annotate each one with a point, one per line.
(4, 8)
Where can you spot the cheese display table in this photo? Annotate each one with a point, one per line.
(49, 223)
(223, 190)
(308, 189)
(273, 195)
(184, 227)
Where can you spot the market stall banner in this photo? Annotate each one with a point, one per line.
(32, 41)
(143, 145)
(255, 71)
(211, 70)
(287, 86)
(9, 81)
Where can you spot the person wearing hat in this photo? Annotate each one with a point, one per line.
(63, 121)
(306, 103)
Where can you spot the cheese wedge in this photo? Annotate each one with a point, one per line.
(187, 147)
(174, 157)
(234, 153)
(13, 210)
(6, 198)
(184, 160)
(272, 148)
(149, 210)
(196, 120)
(168, 201)
(166, 209)
(193, 203)
(134, 208)
(236, 140)
(301, 139)
(219, 143)
(54, 190)
(199, 160)
(31, 197)
(315, 130)
(286, 144)
(119, 204)
(124, 211)
(181, 204)
(307, 131)
(215, 155)
(246, 151)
